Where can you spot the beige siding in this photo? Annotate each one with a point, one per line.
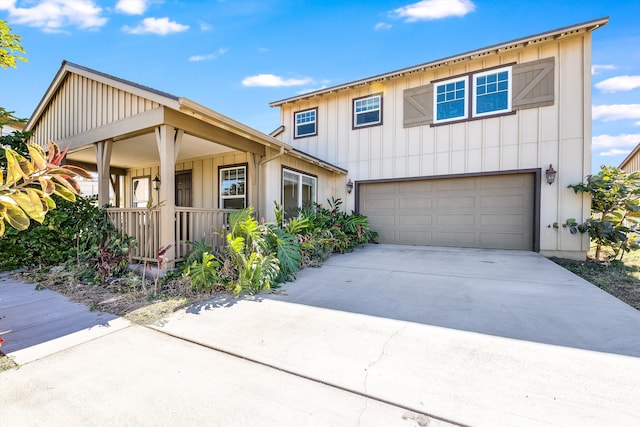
(205, 178)
(557, 134)
(82, 104)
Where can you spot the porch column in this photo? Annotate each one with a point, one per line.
(103, 160)
(168, 141)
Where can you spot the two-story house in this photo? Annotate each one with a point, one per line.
(472, 150)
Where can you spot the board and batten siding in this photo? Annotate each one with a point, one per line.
(204, 176)
(205, 180)
(557, 134)
(82, 104)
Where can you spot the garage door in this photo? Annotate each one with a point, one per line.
(494, 211)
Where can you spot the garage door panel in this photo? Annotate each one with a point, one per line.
(415, 238)
(503, 201)
(502, 240)
(454, 220)
(414, 220)
(380, 204)
(455, 185)
(413, 187)
(517, 221)
(482, 211)
(455, 238)
(414, 203)
(456, 202)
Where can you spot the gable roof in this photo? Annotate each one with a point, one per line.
(630, 157)
(536, 38)
(181, 104)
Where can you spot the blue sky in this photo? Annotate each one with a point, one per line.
(236, 56)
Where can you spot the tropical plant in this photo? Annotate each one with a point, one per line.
(247, 249)
(202, 272)
(103, 251)
(53, 242)
(615, 210)
(28, 184)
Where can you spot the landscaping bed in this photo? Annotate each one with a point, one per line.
(619, 278)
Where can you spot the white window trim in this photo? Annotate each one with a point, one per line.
(295, 123)
(300, 176)
(222, 198)
(466, 100)
(379, 109)
(509, 92)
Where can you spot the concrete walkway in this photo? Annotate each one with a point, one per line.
(387, 335)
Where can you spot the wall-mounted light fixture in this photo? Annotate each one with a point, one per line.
(156, 183)
(550, 174)
(349, 186)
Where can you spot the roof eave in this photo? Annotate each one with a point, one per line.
(560, 32)
(629, 157)
(190, 107)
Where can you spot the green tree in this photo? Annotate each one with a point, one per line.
(615, 210)
(10, 47)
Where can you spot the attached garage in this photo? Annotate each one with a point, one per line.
(497, 211)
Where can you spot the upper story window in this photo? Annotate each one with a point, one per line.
(490, 95)
(305, 123)
(233, 190)
(492, 92)
(367, 111)
(451, 100)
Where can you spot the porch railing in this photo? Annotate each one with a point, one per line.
(191, 224)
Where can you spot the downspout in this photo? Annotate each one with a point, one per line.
(259, 171)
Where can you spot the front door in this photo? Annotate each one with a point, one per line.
(183, 198)
(183, 188)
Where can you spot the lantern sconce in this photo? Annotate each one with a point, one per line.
(550, 174)
(156, 183)
(349, 186)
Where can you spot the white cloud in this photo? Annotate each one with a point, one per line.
(608, 113)
(596, 68)
(428, 10)
(382, 26)
(204, 26)
(615, 152)
(619, 84)
(132, 7)
(270, 80)
(611, 142)
(209, 56)
(159, 26)
(53, 15)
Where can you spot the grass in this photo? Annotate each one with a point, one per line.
(619, 278)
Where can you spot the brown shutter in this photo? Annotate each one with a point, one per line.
(418, 106)
(533, 84)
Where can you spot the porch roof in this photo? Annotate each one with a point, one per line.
(206, 132)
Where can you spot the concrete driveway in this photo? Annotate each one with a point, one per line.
(387, 335)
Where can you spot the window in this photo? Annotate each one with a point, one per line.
(367, 111)
(233, 187)
(141, 191)
(305, 123)
(492, 92)
(451, 101)
(298, 191)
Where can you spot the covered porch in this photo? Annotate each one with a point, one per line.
(169, 170)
